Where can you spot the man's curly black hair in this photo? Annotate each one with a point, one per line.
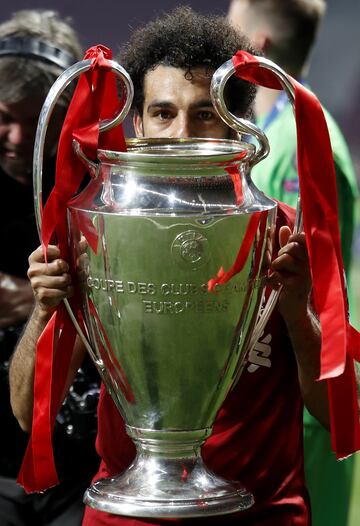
(186, 39)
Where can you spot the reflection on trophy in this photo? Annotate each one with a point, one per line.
(167, 216)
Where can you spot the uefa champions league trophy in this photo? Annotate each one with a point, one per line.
(168, 217)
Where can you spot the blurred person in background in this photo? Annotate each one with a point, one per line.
(35, 47)
(285, 31)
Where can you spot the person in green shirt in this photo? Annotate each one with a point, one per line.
(285, 31)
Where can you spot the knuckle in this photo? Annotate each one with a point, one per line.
(36, 283)
(33, 270)
(60, 266)
(292, 246)
(35, 255)
(64, 280)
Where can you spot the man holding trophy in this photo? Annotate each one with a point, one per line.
(257, 434)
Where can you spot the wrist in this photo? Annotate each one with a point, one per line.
(43, 314)
(305, 334)
(297, 317)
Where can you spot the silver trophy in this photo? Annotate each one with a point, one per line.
(167, 218)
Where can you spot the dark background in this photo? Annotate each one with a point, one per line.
(335, 70)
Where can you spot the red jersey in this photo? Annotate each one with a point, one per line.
(256, 439)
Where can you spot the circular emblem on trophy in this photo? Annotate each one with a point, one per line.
(190, 249)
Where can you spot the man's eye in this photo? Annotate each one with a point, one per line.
(4, 118)
(206, 115)
(163, 115)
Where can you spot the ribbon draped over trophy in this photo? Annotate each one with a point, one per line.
(340, 342)
(95, 99)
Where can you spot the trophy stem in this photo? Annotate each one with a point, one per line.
(168, 479)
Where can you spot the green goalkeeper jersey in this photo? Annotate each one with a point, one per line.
(277, 174)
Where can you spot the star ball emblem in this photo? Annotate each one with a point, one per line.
(190, 249)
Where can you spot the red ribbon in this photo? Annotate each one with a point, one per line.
(95, 98)
(241, 258)
(318, 194)
(234, 173)
(38, 464)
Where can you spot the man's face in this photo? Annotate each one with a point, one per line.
(18, 122)
(179, 107)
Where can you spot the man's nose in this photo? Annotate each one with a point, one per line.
(17, 133)
(183, 127)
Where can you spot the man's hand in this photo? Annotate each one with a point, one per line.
(50, 281)
(16, 300)
(291, 271)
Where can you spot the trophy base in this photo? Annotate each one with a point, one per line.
(168, 486)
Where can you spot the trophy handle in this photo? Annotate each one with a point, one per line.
(56, 90)
(240, 125)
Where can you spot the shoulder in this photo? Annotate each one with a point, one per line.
(342, 158)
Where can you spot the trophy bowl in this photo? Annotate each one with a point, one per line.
(166, 215)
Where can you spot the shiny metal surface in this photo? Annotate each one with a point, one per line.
(242, 126)
(45, 115)
(166, 216)
(53, 96)
(148, 232)
(200, 494)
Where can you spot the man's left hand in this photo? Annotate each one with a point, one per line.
(291, 270)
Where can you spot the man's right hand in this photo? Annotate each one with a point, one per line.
(50, 281)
